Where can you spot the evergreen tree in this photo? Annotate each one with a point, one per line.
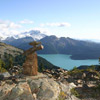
(10, 65)
(2, 66)
(99, 60)
(41, 68)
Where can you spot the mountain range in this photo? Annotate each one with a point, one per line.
(78, 49)
(23, 38)
(34, 34)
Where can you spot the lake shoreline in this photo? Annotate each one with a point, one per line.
(74, 57)
(65, 61)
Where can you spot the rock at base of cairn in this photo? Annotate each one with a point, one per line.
(30, 67)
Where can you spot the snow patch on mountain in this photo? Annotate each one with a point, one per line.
(35, 34)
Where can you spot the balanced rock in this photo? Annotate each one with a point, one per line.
(30, 67)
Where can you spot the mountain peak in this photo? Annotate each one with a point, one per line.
(53, 36)
(35, 34)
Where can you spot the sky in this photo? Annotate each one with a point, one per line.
(79, 19)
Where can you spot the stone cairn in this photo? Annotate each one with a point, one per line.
(30, 67)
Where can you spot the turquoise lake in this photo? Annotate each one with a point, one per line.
(64, 61)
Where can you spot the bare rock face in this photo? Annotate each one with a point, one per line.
(30, 67)
(46, 89)
(5, 91)
(21, 91)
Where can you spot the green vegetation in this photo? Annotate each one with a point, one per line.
(74, 92)
(44, 64)
(41, 68)
(99, 60)
(62, 96)
(2, 66)
(98, 87)
(75, 70)
(10, 61)
(91, 68)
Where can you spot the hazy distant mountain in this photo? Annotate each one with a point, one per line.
(35, 34)
(20, 43)
(52, 45)
(24, 38)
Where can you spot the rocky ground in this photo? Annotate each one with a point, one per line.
(39, 87)
(87, 82)
(55, 84)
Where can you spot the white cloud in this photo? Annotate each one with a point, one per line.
(8, 28)
(63, 24)
(42, 30)
(9, 25)
(13, 25)
(4, 21)
(26, 21)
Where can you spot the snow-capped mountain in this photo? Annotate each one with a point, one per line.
(35, 34)
(24, 38)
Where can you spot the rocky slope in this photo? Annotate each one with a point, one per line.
(18, 58)
(7, 49)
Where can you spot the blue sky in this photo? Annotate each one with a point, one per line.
(68, 18)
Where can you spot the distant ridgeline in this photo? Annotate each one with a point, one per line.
(52, 45)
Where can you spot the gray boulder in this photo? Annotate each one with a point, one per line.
(1, 77)
(5, 91)
(20, 92)
(5, 74)
(46, 89)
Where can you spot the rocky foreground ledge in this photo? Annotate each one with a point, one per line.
(55, 84)
(39, 87)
